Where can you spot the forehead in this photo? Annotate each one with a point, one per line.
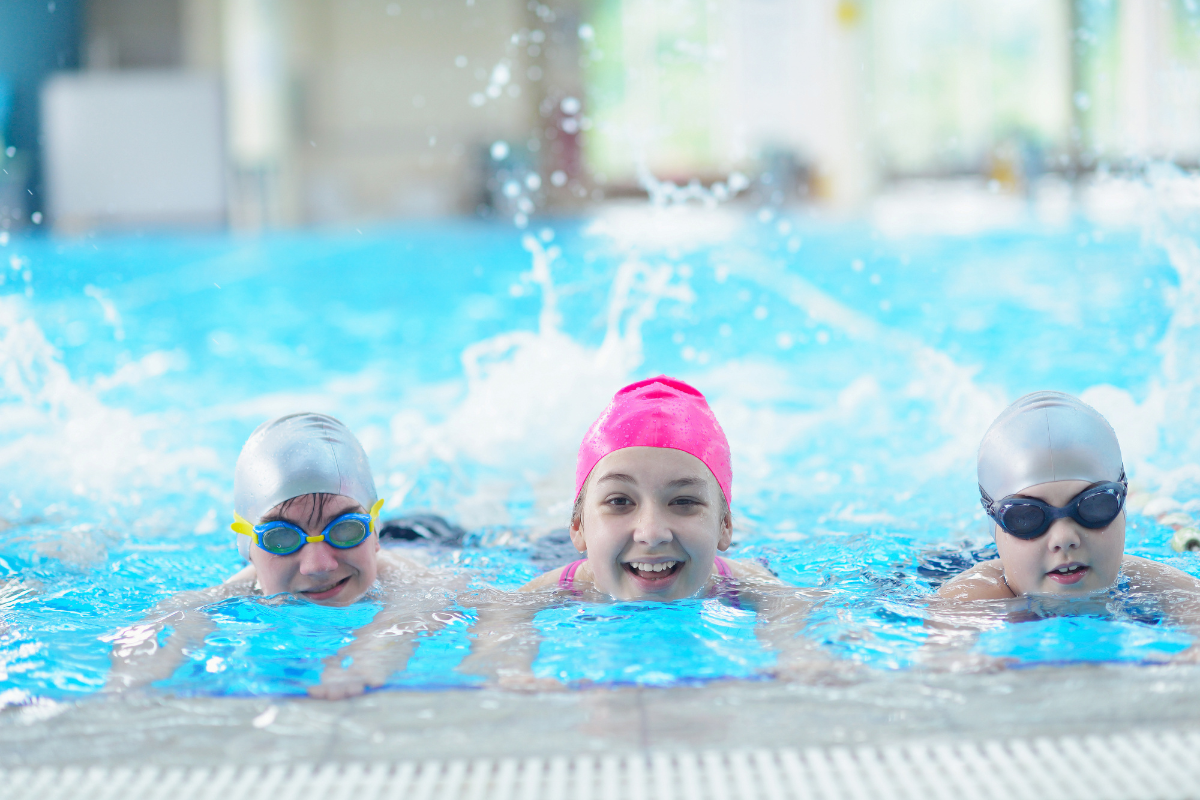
(653, 465)
(1056, 493)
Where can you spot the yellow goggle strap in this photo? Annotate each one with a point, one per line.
(240, 525)
(375, 513)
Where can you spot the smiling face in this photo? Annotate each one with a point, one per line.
(652, 522)
(1068, 559)
(317, 572)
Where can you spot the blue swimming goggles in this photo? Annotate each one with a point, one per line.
(1026, 518)
(281, 538)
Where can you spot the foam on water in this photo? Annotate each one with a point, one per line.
(854, 373)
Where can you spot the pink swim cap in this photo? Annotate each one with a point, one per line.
(659, 412)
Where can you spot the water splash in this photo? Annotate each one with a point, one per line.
(528, 399)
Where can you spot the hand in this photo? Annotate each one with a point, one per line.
(818, 670)
(136, 657)
(526, 682)
(348, 683)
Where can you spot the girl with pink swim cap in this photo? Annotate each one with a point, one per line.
(652, 487)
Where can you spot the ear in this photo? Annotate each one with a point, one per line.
(577, 538)
(726, 538)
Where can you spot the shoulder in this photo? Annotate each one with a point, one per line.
(983, 581)
(549, 580)
(389, 561)
(750, 571)
(1155, 576)
(246, 574)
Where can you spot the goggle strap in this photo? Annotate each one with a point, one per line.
(240, 525)
(375, 513)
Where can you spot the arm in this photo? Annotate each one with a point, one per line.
(783, 612)
(959, 612)
(1177, 593)
(381, 648)
(384, 646)
(136, 657)
(505, 640)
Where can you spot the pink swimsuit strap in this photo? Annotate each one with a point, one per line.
(566, 580)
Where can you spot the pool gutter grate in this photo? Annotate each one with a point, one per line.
(1156, 766)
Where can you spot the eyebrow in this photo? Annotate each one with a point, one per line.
(681, 482)
(618, 476)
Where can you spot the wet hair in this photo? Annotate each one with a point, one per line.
(320, 499)
(577, 509)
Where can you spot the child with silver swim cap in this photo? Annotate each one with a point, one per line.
(1053, 482)
(306, 514)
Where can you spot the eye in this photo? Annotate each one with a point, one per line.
(619, 501)
(687, 502)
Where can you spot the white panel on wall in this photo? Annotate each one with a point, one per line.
(133, 149)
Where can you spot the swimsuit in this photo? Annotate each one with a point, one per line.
(567, 580)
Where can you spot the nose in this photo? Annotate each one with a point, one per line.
(317, 558)
(1063, 535)
(653, 526)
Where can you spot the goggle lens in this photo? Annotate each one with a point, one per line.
(1023, 521)
(1099, 509)
(281, 540)
(347, 533)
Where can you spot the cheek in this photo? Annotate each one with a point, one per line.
(272, 571)
(1016, 555)
(1114, 538)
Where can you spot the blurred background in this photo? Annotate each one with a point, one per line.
(253, 114)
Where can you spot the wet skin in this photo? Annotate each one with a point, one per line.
(653, 520)
(1090, 557)
(317, 571)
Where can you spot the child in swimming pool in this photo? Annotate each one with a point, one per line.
(1053, 482)
(306, 518)
(652, 486)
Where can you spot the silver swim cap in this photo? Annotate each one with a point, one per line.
(1044, 437)
(297, 455)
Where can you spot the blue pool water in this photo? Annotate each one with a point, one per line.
(853, 371)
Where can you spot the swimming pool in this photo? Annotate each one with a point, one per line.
(854, 368)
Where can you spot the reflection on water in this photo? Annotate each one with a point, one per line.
(853, 371)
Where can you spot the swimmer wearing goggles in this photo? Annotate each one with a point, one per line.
(301, 480)
(282, 538)
(1056, 466)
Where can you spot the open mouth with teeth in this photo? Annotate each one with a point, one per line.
(326, 592)
(652, 574)
(1068, 573)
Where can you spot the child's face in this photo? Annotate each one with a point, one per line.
(318, 572)
(647, 507)
(1031, 566)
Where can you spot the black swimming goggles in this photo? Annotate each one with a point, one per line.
(1026, 518)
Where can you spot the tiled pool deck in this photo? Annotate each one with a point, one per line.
(880, 709)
